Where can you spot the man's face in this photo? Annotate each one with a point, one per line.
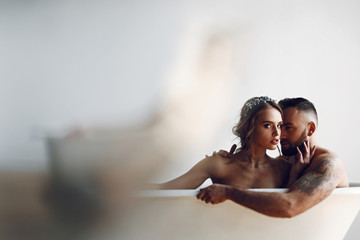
(293, 132)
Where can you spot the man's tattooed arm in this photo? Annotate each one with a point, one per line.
(312, 180)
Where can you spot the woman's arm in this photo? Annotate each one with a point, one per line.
(193, 178)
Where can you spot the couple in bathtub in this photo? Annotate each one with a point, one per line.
(309, 172)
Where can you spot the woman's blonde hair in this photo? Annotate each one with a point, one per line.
(248, 116)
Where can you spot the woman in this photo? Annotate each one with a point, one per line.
(250, 167)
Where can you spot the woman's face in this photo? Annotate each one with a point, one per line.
(267, 129)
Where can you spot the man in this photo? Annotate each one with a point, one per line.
(310, 184)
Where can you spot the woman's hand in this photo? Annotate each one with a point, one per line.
(300, 162)
(303, 159)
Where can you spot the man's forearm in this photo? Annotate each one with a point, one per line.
(270, 204)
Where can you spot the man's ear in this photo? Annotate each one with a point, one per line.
(312, 128)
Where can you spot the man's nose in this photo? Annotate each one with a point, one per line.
(282, 135)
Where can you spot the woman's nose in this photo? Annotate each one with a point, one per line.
(276, 131)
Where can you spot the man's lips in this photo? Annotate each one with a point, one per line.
(284, 143)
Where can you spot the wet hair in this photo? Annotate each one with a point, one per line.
(248, 116)
(299, 103)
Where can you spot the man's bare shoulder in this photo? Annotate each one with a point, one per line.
(326, 161)
(323, 154)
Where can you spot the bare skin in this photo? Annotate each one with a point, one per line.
(314, 182)
(252, 168)
(300, 162)
(237, 171)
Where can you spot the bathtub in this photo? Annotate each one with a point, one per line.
(177, 214)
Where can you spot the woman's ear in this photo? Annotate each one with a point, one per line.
(312, 128)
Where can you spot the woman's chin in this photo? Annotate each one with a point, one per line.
(272, 148)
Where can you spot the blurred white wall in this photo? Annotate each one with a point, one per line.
(71, 63)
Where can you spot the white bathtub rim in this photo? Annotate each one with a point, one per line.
(354, 189)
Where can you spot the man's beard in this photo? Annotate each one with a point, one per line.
(291, 150)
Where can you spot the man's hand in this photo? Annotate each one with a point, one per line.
(226, 154)
(214, 194)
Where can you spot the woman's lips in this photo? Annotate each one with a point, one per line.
(275, 141)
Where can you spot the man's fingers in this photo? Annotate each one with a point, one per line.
(200, 194)
(205, 198)
(233, 148)
(223, 153)
(203, 195)
(226, 154)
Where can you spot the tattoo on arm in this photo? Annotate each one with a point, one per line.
(311, 181)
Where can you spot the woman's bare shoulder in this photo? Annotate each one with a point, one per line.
(217, 165)
(281, 159)
(217, 160)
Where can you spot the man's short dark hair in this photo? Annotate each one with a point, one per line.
(299, 103)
